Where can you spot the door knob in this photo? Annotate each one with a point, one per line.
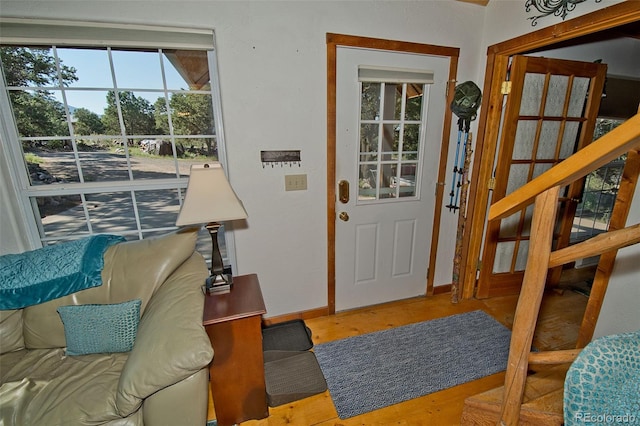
(344, 216)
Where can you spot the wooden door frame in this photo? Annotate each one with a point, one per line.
(491, 110)
(342, 40)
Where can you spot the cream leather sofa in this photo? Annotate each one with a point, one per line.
(163, 380)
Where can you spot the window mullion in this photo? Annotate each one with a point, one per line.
(136, 214)
(85, 210)
(380, 138)
(174, 148)
(123, 130)
(403, 105)
(96, 187)
(72, 139)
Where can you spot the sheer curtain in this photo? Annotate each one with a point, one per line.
(13, 229)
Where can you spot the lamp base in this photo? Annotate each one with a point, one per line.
(218, 283)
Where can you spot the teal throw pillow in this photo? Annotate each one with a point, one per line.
(90, 329)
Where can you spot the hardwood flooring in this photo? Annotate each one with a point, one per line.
(558, 326)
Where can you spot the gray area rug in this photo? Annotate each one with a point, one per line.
(372, 371)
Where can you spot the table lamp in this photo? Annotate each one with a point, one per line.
(211, 200)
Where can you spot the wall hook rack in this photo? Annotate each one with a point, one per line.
(282, 158)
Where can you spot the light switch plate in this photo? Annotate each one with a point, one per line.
(295, 182)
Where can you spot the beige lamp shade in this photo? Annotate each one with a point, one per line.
(209, 197)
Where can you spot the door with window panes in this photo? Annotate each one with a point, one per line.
(389, 118)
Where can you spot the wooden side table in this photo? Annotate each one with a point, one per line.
(236, 375)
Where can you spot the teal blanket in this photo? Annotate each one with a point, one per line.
(53, 271)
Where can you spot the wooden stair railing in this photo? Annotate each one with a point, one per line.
(595, 155)
(545, 190)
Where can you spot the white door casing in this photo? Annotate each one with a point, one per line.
(382, 250)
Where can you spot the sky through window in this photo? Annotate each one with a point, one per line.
(139, 70)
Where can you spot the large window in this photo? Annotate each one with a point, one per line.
(106, 131)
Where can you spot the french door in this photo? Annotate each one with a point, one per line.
(550, 113)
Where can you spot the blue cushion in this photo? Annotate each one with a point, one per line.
(90, 329)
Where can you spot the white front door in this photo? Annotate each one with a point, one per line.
(389, 120)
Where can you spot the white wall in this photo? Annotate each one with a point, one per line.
(620, 311)
(507, 19)
(272, 64)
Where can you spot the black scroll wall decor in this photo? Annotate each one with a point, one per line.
(551, 7)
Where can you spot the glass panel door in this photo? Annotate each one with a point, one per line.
(549, 113)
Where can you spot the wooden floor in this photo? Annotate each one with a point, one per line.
(558, 325)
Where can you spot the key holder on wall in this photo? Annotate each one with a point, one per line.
(280, 157)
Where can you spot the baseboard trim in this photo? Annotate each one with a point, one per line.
(442, 289)
(303, 315)
(324, 311)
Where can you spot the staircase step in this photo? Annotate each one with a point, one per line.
(542, 401)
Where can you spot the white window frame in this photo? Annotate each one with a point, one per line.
(30, 32)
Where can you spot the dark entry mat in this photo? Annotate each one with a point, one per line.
(287, 336)
(292, 375)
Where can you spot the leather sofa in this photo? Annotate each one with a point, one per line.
(163, 380)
